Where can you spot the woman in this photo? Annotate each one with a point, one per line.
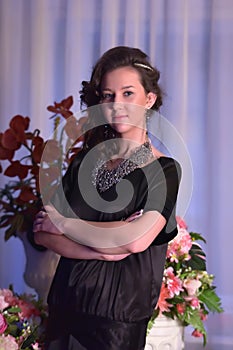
(112, 225)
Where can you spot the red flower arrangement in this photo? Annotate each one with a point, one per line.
(20, 161)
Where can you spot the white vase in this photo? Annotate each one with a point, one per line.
(39, 268)
(166, 334)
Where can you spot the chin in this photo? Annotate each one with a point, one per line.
(121, 128)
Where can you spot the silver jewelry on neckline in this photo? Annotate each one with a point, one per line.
(103, 178)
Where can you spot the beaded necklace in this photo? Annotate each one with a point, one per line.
(103, 178)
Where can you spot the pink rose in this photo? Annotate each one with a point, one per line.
(6, 293)
(8, 343)
(3, 324)
(195, 303)
(8, 297)
(5, 296)
(191, 285)
(3, 303)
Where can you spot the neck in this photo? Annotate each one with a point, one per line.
(127, 144)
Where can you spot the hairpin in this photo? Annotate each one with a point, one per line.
(142, 65)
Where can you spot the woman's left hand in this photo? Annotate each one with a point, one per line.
(48, 221)
(116, 257)
(134, 216)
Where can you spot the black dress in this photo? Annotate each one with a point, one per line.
(95, 304)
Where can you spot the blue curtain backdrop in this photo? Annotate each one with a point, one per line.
(47, 47)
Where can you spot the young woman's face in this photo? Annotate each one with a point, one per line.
(124, 100)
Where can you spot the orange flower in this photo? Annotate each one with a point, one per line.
(13, 137)
(6, 153)
(37, 152)
(17, 169)
(9, 140)
(19, 124)
(35, 170)
(23, 150)
(62, 108)
(162, 304)
(27, 194)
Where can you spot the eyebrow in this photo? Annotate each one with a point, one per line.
(123, 88)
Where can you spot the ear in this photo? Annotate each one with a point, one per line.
(151, 98)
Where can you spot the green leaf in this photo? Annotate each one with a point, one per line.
(197, 261)
(211, 300)
(29, 340)
(151, 322)
(13, 330)
(4, 220)
(16, 224)
(194, 319)
(197, 237)
(14, 309)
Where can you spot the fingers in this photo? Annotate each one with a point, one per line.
(39, 219)
(134, 216)
(42, 214)
(117, 257)
(49, 208)
(37, 227)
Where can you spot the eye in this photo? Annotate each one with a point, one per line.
(107, 96)
(128, 93)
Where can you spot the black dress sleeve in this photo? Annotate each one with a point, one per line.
(163, 188)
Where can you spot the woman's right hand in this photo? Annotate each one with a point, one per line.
(70, 249)
(43, 223)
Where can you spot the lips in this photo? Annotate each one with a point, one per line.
(119, 118)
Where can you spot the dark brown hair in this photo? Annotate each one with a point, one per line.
(120, 56)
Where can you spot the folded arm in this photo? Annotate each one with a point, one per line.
(70, 249)
(115, 237)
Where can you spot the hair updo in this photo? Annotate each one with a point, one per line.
(121, 56)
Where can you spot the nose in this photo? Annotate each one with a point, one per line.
(117, 103)
(117, 106)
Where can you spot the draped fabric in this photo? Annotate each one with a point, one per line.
(48, 47)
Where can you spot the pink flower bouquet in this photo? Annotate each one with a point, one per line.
(187, 292)
(22, 319)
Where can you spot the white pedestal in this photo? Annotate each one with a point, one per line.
(39, 269)
(166, 334)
